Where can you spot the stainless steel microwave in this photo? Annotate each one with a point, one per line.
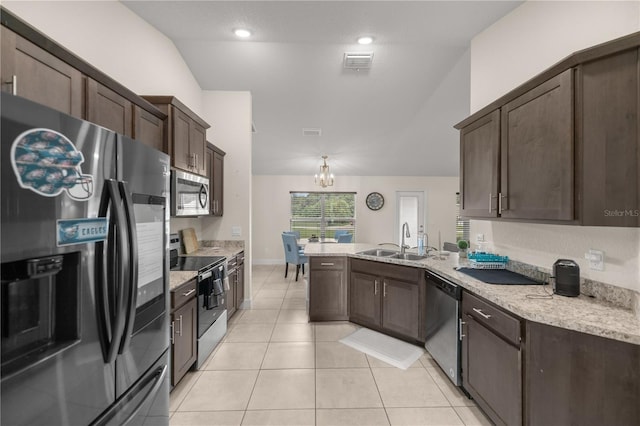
(189, 194)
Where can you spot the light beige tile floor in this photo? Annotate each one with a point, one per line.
(275, 368)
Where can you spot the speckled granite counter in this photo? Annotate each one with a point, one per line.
(583, 313)
(177, 278)
(207, 248)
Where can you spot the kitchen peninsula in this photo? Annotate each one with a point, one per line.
(567, 346)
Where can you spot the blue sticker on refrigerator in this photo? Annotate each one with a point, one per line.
(81, 231)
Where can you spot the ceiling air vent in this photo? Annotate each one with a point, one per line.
(358, 60)
(311, 132)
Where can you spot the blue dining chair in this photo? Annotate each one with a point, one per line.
(292, 254)
(339, 232)
(345, 238)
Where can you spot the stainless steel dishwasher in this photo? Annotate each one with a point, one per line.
(443, 320)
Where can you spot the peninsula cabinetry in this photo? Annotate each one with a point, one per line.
(184, 329)
(568, 140)
(387, 297)
(328, 294)
(186, 134)
(491, 359)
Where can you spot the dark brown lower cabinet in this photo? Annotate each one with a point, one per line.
(365, 298)
(389, 298)
(184, 329)
(492, 360)
(328, 298)
(239, 295)
(235, 294)
(579, 379)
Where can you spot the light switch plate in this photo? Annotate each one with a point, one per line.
(236, 231)
(596, 259)
(479, 238)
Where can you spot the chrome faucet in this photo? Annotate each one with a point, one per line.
(405, 233)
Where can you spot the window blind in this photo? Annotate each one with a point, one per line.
(321, 214)
(462, 225)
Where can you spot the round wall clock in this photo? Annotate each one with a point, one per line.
(375, 201)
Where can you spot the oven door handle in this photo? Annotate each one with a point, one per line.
(205, 275)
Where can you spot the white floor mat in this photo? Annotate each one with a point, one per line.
(388, 349)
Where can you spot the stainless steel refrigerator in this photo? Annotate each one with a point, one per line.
(84, 300)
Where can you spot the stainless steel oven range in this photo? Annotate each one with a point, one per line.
(212, 303)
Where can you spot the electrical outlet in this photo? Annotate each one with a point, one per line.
(479, 238)
(236, 231)
(596, 259)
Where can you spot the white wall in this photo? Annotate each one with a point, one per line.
(538, 34)
(117, 42)
(271, 208)
(531, 38)
(229, 114)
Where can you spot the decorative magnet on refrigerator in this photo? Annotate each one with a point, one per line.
(48, 163)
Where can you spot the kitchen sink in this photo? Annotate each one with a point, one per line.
(407, 256)
(392, 254)
(379, 252)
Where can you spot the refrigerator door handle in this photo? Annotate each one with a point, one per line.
(133, 266)
(110, 321)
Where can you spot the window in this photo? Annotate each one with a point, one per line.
(323, 213)
(462, 225)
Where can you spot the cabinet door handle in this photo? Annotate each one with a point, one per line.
(500, 197)
(14, 84)
(180, 319)
(173, 330)
(491, 197)
(375, 288)
(327, 263)
(384, 288)
(482, 314)
(461, 323)
(189, 292)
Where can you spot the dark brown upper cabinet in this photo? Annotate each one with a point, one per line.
(564, 147)
(108, 109)
(33, 73)
(479, 166)
(215, 172)
(536, 173)
(185, 136)
(37, 68)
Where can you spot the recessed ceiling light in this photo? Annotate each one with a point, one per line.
(242, 33)
(365, 40)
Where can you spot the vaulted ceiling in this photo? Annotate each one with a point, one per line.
(395, 118)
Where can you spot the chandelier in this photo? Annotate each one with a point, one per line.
(325, 178)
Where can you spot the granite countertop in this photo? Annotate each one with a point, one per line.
(582, 313)
(207, 248)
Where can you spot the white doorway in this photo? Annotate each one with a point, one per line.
(410, 208)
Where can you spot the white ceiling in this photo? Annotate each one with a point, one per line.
(394, 119)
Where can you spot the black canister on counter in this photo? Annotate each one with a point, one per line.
(567, 278)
